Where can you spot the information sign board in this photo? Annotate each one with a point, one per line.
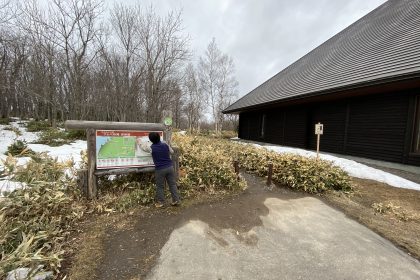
(123, 149)
(319, 129)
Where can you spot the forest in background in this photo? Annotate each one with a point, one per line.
(75, 59)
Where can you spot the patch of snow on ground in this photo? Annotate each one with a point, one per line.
(352, 167)
(28, 137)
(9, 186)
(62, 153)
(7, 137)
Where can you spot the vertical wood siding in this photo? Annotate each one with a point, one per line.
(373, 127)
(333, 116)
(377, 127)
(295, 130)
(274, 127)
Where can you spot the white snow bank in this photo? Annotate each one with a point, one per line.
(7, 137)
(9, 186)
(353, 168)
(62, 153)
(28, 137)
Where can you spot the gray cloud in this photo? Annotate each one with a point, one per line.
(263, 37)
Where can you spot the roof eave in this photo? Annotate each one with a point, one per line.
(413, 75)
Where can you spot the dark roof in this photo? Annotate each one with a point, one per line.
(383, 44)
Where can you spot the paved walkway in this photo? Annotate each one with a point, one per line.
(299, 238)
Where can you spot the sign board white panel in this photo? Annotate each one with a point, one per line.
(319, 129)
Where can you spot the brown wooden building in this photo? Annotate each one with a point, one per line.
(363, 84)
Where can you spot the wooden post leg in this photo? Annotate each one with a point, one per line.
(82, 181)
(236, 167)
(91, 151)
(175, 157)
(270, 174)
(317, 146)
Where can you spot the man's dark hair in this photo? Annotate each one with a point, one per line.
(154, 137)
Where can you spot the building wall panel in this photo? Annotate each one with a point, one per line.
(274, 127)
(295, 127)
(333, 117)
(377, 127)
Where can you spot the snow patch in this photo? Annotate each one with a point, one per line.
(7, 186)
(7, 137)
(62, 153)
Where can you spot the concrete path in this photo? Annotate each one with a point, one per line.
(299, 238)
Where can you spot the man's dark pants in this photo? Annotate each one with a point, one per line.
(160, 176)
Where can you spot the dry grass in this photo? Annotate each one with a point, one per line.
(88, 250)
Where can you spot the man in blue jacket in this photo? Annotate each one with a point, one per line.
(164, 170)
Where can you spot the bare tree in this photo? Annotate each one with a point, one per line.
(40, 73)
(164, 48)
(13, 55)
(58, 62)
(194, 103)
(122, 58)
(72, 29)
(8, 11)
(216, 72)
(10, 57)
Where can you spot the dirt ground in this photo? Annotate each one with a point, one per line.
(126, 246)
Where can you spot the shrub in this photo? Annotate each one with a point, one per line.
(298, 172)
(207, 166)
(58, 137)
(33, 126)
(124, 192)
(4, 121)
(36, 220)
(141, 193)
(19, 148)
(76, 135)
(41, 167)
(53, 137)
(227, 134)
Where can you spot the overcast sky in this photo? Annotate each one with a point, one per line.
(262, 36)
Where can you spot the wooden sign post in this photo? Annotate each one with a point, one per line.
(89, 177)
(319, 130)
(167, 121)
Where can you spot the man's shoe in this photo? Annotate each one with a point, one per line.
(176, 203)
(159, 205)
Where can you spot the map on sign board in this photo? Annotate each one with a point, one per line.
(123, 148)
